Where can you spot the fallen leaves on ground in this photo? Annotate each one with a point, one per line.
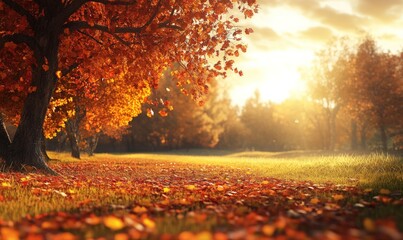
(166, 200)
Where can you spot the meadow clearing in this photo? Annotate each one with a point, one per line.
(207, 195)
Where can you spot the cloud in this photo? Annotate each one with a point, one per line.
(324, 15)
(387, 11)
(266, 39)
(317, 34)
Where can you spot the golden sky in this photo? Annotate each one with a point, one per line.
(287, 33)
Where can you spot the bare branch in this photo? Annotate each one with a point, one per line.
(93, 38)
(22, 11)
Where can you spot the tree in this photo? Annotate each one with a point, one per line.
(41, 42)
(180, 123)
(258, 118)
(377, 87)
(326, 82)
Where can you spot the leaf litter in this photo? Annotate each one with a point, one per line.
(163, 200)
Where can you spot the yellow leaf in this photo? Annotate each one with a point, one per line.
(220, 188)
(191, 187)
(265, 182)
(113, 223)
(149, 223)
(6, 184)
(166, 189)
(58, 74)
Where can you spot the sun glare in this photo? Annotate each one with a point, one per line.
(280, 78)
(281, 86)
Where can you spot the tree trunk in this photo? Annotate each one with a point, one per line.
(354, 141)
(384, 138)
(4, 139)
(333, 127)
(43, 148)
(363, 136)
(61, 142)
(92, 144)
(26, 148)
(72, 134)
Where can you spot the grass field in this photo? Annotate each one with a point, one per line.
(207, 195)
(374, 170)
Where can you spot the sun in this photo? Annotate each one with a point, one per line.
(281, 85)
(275, 75)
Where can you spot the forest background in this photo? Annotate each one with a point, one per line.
(352, 103)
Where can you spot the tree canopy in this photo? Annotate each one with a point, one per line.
(66, 45)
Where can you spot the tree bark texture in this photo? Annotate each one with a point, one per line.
(72, 134)
(26, 148)
(4, 139)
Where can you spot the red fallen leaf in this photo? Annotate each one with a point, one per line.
(62, 236)
(34, 236)
(338, 197)
(92, 220)
(50, 225)
(220, 236)
(121, 236)
(163, 113)
(139, 209)
(314, 201)
(268, 230)
(186, 236)
(9, 234)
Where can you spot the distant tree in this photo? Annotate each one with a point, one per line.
(179, 122)
(262, 129)
(326, 82)
(377, 87)
(234, 135)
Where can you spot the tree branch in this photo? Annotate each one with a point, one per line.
(18, 38)
(79, 25)
(22, 11)
(70, 68)
(116, 2)
(93, 38)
